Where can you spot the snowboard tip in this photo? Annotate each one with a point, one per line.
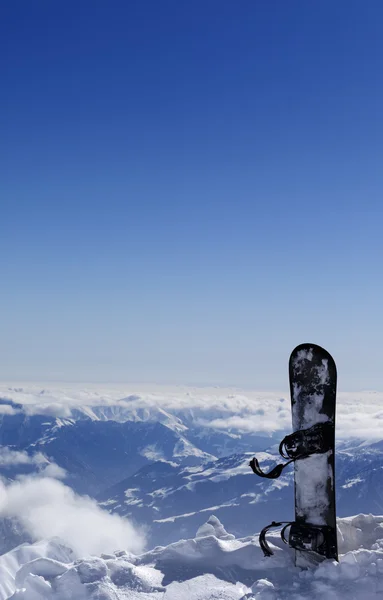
(315, 348)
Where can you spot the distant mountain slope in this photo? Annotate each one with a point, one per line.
(96, 453)
(173, 501)
(359, 480)
(159, 466)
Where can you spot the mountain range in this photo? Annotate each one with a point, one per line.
(167, 471)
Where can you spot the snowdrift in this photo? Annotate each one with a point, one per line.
(213, 565)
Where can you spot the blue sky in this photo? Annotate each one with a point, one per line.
(190, 189)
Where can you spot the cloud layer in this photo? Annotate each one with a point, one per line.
(359, 415)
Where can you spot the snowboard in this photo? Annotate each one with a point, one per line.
(313, 378)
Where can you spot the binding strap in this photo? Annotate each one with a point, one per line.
(303, 537)
(262, 536)
(283, 533)
(298, 445)
(273, 474)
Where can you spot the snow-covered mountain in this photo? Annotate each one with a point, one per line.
(167, 464)
(166, 468)
(211, 565)
(173, 500)
(96, 453)
(360, 478)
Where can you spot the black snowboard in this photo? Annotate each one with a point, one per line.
(313, 378)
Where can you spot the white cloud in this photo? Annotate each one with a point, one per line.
(56, 410)
(358, 414)
(47, 508)
(10, 457)
(6, 409)
(13, 458)
(247, 424)
(54, 471)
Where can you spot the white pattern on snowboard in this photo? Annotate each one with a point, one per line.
(310, 414)
(313, 499)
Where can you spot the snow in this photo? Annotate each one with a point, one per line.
(21, 560)
(152, 453)
(212, 566)
(237, 470)
(206, 587)
(352, 482)
(213, 526)
(202, 510)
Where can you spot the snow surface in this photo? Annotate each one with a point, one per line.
(212, 566)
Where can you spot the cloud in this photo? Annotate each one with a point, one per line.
(47, 508)
(6, 409)
(56, 410)
(54, 471)
(247, 411)
(10, 458)
(247, 424)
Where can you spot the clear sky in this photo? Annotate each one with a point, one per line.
(190, 189)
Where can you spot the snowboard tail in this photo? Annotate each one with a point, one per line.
(303, 538)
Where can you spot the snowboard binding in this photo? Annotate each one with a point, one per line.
(299, 445)
(303, 537)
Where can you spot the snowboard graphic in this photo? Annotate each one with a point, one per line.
(311, 448)
(313, 379)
